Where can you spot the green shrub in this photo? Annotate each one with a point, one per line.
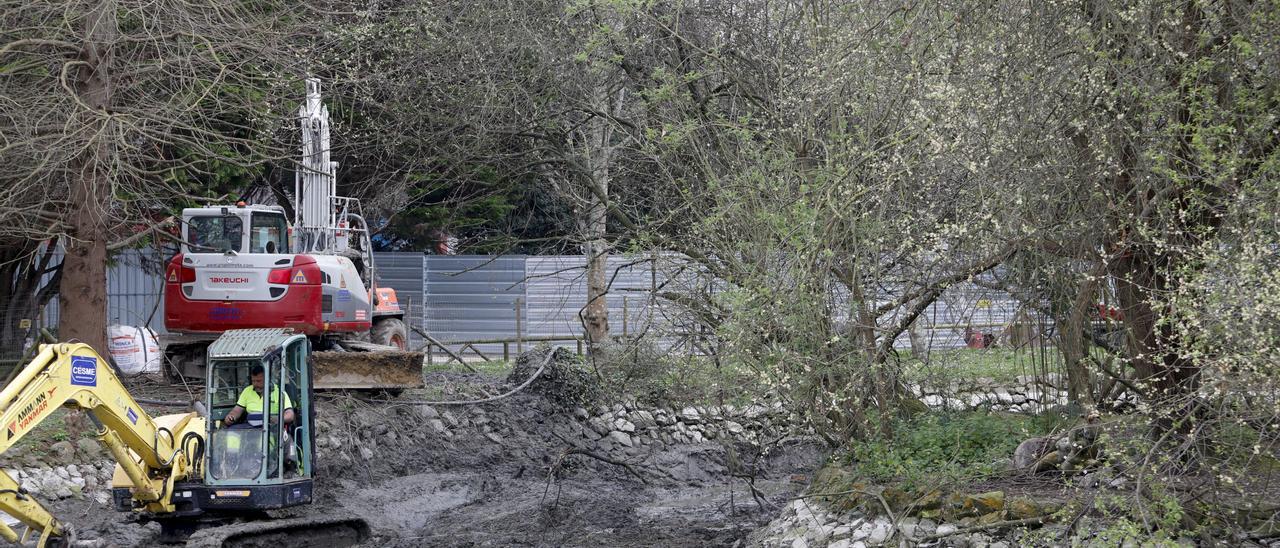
(938, 447)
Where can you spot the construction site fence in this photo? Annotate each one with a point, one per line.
(493, 304)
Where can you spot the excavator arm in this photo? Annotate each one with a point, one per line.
(152, 455)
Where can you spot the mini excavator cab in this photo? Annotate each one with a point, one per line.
(267, 453)
(262, 461)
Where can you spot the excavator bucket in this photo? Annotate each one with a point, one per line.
(367, 366)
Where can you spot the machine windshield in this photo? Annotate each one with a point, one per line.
(215, 233)
(268, 233)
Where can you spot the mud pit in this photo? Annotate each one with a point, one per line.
(527, 471)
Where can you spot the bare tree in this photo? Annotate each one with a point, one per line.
(116, 112)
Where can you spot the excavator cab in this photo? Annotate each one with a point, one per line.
(264, 460)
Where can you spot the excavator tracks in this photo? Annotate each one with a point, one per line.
(300, 532)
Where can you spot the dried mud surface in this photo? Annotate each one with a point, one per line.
(522, 471)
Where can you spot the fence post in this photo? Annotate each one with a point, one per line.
(519, 326)
(624, 316)
(506, 351)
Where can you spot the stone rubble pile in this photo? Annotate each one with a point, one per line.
(66, 481)
(805, 523)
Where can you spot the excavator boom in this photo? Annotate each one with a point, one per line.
(151, 454)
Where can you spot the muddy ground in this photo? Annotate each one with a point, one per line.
(530, 471)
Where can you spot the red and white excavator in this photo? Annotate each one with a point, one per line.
(244, 266)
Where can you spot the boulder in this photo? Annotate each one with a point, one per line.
(450, 419)
(90, 449)
(643, 419)
(438, 427)
(690, 415)
(427, 412)
(880, 532)
(620, 438)
(1023, 508)
(601, 425)
(980, 504)
(63, 451)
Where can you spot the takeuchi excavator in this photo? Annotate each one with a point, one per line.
(190, 472)
(246, 266)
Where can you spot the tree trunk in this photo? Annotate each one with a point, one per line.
(599, 155)
(82, 297)
(1071, 341)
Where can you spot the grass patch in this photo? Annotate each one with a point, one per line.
(998, 364)
(936, 449)
(491, 368)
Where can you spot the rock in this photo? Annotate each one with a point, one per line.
(863, 531)
(438, 427)
(624, 425)
(62, 492)
(842, 543)
(643, 419)
(999, 544)
(581, 413)
(1023, 508)
(427, 412)
(946, 529)
(988, 519)
(601, 425)
(62, 473)
(63, 451)
(494, 438)
(663, 419)
(984, 503)
(620, 438)
(102, 497)
(91, 449)
(449, 418)
(1031, 451)
(690, 415)
(909, 527)
(800, 543)
(880, 532)
(366, 452)
(733, 428)
(696, 437)
(927, 527)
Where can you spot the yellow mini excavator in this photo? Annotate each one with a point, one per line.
(186, 471)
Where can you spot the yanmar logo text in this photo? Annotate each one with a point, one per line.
(30, 412)
(228, 280)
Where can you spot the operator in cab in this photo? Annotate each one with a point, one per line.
(249, 405)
